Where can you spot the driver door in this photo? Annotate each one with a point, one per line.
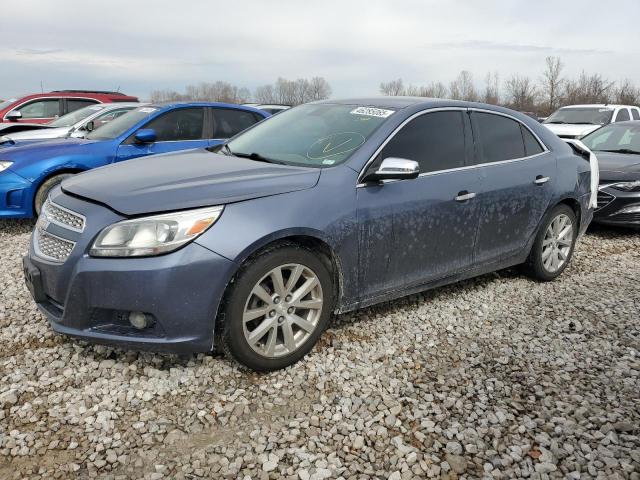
(416, 231)
(178, 129)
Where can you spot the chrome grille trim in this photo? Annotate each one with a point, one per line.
(604, 199)
(63, 217)
(51, 247)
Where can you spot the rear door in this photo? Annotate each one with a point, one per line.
(416, 231)
(517, 180)
(228, 122)
(73, 104)
(177, 129)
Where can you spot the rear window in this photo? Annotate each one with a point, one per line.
(581, 116)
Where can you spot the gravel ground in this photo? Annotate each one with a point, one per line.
(497, 377)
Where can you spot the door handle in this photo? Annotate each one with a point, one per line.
(464, 195)
(540, 180)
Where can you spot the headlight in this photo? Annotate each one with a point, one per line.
(628, 186)
(154, 235)
(4, 165)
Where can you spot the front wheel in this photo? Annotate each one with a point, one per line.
(46, 187)
(554, 244)
(277, 308)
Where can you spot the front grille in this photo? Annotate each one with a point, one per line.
(51, 247)
(604, 199)
(62, 216)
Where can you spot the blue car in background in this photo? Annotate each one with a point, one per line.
(30, 169)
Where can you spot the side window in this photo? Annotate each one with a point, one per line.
(48, 108)
(179, 124)
(635, 113)
(531, 145)
(499, 138)
(623, 115)
(77, 103)
(228, 122)
(434, 140)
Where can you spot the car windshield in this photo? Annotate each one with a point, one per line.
(594, 116)
(310, 135)
(7, 103)
(74, 117)
(122, 124)
(615, 138)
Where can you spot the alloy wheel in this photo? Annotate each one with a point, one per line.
(557, 243)
(282, 310)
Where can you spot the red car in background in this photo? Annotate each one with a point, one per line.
(44, 107)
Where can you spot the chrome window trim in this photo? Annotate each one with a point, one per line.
(36, 248)
(545, 149)
(64, 225)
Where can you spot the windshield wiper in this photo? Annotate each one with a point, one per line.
(622, 150)
(556, 121)
(254, 156)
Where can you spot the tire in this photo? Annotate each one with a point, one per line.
(259, 343)
(46, 187)
(550, 253)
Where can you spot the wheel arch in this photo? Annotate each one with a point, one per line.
(48, 175)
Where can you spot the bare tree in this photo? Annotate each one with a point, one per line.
(167, 95)
(552, 83)
(462, 87)
(392, 88)
(588, 89)
(319, 88)
(265, 94)
(521, 93)
(492, 89)
(627, 94)
(434, 90)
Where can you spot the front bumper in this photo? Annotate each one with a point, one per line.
(91, 298)
(616, 207)
(16, 196)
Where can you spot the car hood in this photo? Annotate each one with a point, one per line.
(28, 151)
(53, 132)
(618, 166)
(571, 130)
(188, 179)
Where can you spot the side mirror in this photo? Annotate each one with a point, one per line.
(13, 116)
(394, 169)
(89, 127)
(145, 135)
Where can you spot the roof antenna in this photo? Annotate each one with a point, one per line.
(41, 87)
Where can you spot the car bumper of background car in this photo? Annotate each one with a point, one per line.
(178, 294)
(616, 207)
(15, 196)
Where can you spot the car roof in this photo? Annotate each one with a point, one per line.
(166, 105)
(400, 102)
(599, 105)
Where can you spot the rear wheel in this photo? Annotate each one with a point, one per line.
(554, 244)
(46, 187)
(277, 308)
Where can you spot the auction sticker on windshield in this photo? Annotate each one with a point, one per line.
(372, 112)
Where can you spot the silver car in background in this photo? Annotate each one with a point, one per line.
(75, 124)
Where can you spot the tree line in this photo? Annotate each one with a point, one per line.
(282, 92)
(541, 96)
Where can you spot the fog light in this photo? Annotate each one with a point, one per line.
(139, 320)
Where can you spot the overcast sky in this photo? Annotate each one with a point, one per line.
(141, 45)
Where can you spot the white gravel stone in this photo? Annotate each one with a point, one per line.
(496, 377)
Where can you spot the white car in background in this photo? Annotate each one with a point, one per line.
(74, 124)
(576, 121)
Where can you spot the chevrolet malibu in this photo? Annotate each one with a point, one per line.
(250, 246)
